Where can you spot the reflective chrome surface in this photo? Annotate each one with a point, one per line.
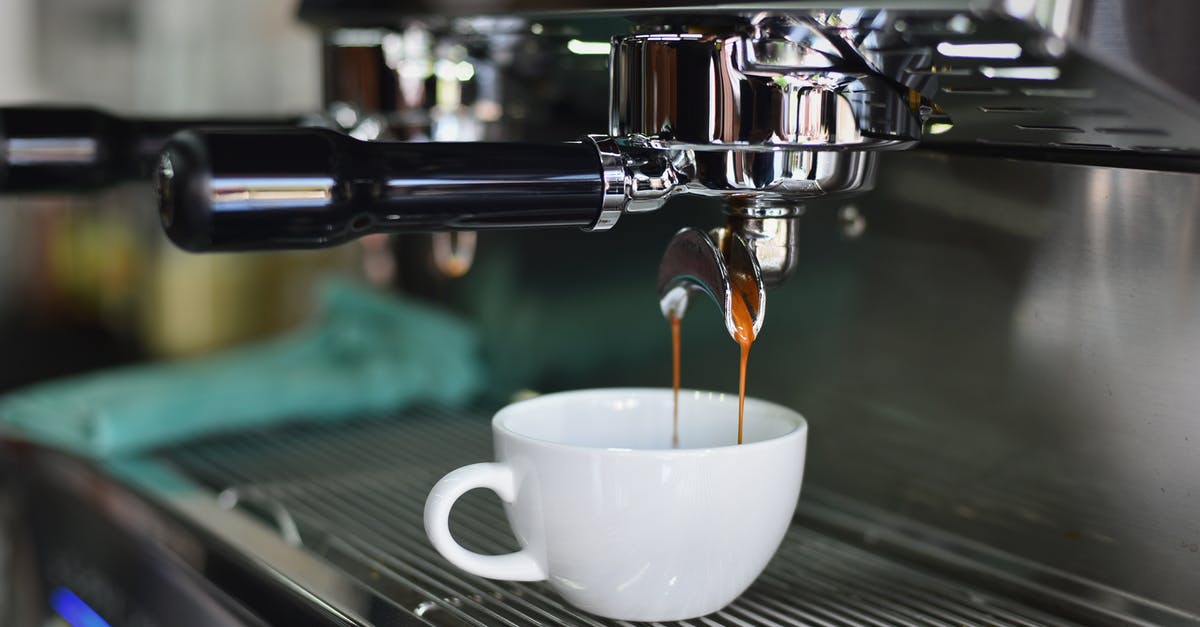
(716, 265)
(652, 176)
(772, 242)
(1101, 75)
(613, 175)
(786, 85)
(759, 183)
(779, 176)
(762, 111)
(126, 559)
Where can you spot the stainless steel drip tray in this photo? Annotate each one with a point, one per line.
(352, 494)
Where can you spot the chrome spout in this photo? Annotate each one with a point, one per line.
(717, 264)
(772, 243)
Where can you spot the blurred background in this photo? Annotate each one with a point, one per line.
(88, 281)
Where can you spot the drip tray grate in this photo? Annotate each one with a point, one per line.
(354, 493)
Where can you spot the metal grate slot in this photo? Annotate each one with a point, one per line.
(907, 52)
(1097, 111)
(976, 91)
(939, 71)
(1059, 92)
(1130, 131)
(1054, 129)
(997, 109)
(1086, 146)
(356, 493)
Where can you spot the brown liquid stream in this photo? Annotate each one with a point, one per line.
(743, 322)
(675, 323)
(744, 305)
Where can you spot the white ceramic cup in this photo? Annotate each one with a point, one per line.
(618, 522)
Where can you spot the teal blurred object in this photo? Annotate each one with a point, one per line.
(368, 352)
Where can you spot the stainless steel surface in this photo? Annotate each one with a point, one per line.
(652, 176)
(355, 492)
(1055, 305)
(773, 244)
(1028, 75)
(79, 528)
(765, 83)
(1133, 34)
(1007, 352)
(614, 194)
(717, 265)
(770, 107)
(761, 111)
(778, 178)
(1098, 75)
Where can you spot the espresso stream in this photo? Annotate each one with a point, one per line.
(743, 322)
(744, 304)
(675, 322)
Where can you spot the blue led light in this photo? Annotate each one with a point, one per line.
(73, 610)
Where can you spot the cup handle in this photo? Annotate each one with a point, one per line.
(499, 478)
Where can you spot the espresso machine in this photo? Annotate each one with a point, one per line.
(975, 221)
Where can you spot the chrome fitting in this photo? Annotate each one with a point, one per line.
(615, 194)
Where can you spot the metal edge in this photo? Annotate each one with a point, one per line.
(212, 542)
(565, 11)
(1049, 589)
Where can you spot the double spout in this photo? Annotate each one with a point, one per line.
(719, 265)
(732, 266)
(762, 112)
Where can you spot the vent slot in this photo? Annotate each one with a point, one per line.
(1059, 92)
(939, 71)
(1085, 146)
(1048, 128)
(976, 91)
(1112, 130)
(1010, 143)
(995, 109)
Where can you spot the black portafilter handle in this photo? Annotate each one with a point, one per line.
(50, 148)
(222, 190)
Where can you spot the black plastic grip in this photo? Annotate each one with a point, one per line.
(310, 188)
(45, 148)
